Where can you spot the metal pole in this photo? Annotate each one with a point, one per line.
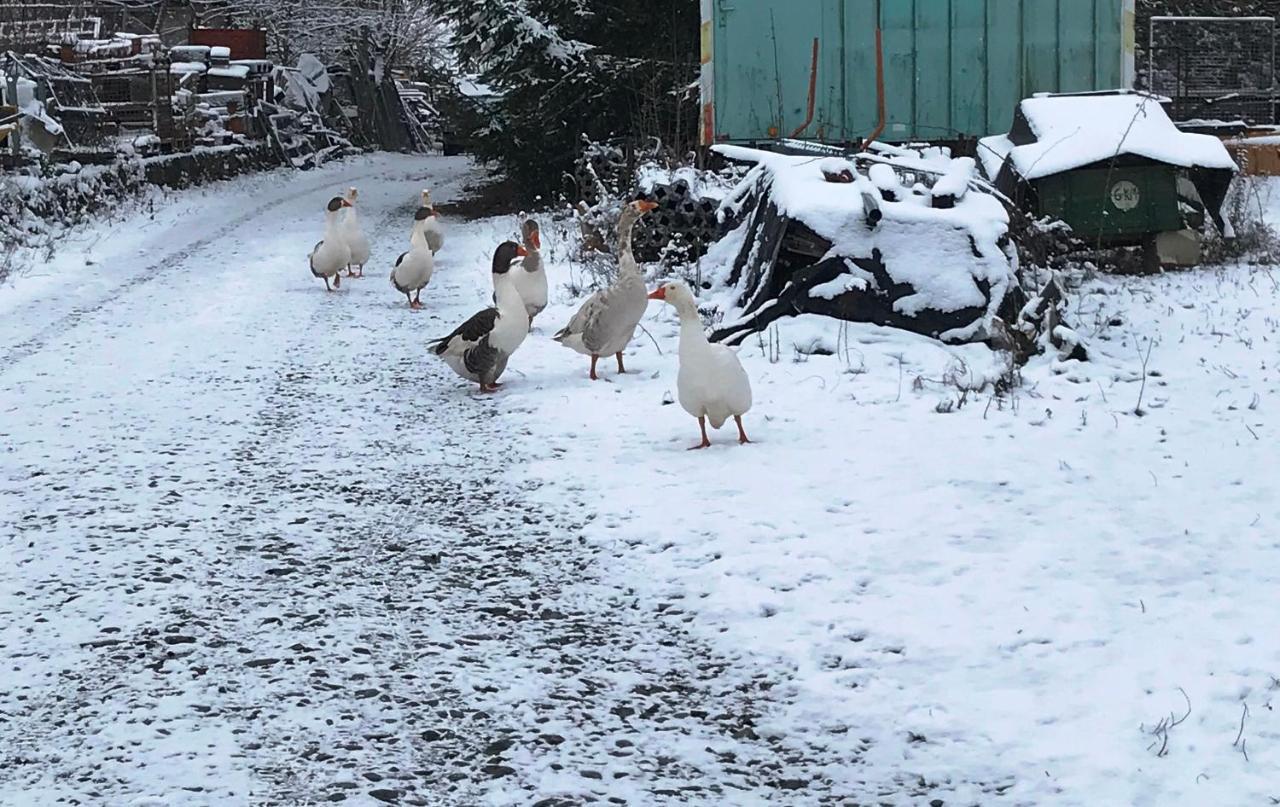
(15, 137)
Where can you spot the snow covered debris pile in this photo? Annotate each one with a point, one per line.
(895, 238)
(685, 221)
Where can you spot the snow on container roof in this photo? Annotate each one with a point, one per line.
(1057, 133)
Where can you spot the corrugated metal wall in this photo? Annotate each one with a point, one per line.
(952, 67)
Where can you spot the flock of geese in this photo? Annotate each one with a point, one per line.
(711, 384)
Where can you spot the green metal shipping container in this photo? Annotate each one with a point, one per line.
(953, 68)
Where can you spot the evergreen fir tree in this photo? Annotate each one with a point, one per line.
(565, 68)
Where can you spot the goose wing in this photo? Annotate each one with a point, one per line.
(467, 335)
(395, 282)
(588, 313)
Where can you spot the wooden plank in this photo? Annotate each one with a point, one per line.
(1004, 62)
(897, 20)
(829, 118)
(1039, 47)
(1108, 36)
(762, 66)
(968, 68)
(860, 67)
(1076, 45)
(933, 69)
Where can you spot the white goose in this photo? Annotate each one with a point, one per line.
(434, 230)
(606, 322)
(479, 348)
(354, 236)
(531, 278)
(711, 384)
(414, 268)
(331, 254)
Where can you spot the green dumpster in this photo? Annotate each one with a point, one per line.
(1121, 203)
(1112, 165)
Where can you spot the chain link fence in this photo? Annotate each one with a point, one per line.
(1214, 68)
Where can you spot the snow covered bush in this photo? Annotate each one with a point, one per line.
(396, 32)
(1252, 240)
(39, 205)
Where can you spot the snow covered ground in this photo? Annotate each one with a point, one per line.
(258, 547)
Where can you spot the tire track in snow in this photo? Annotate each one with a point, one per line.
(178, 259)
(300, 762)
(24, 736)
(478, 579)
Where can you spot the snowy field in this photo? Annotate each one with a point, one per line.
(259, 547)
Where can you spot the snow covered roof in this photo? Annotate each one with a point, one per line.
(260, 66)
(231, 71)
(189, 53)
(1056, 133)
(187, 67)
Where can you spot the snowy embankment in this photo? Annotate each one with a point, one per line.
(991, 600)
(997, 593)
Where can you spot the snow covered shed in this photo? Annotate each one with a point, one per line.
(1111, 165)
(897, 237)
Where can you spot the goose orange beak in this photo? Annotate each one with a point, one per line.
(536, 239)
(659, 293)
(521, 251)
(346, 203)
(646, 206)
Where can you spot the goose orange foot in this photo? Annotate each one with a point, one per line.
(706, 442)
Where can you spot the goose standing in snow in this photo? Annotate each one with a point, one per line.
(711, 384)
(479, 348)
(434, 230)
(531, 278)
(413, 269)
(331, 254)
(606, 322)
(354, 236)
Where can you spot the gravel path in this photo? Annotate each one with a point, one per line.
(256, 548)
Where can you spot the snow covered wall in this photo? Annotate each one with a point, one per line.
(893, 238)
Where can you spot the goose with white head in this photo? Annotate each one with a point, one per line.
(331, 255)
(414, 268)
(354, 236)
(478, 349)
(607, 321)
(711, 384)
